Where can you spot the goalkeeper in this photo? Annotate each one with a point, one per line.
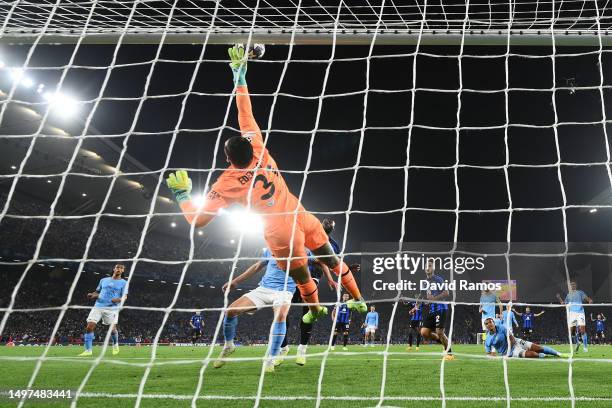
(253, 180)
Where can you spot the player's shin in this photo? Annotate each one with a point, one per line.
(229, 330)
(279, 330)
(115, 337)
(348, 280)
(550, 351)
(309, 292)
(88, 339)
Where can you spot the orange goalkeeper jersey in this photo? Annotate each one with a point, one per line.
(269, 194)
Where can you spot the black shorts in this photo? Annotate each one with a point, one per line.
(344, 327)
(196, 332)
(599, 334)
(415, 324)
(434, 320)
(527, 331)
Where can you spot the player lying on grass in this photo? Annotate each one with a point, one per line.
(272, 291)
(253, 180)
(498, 337)
(109, 294)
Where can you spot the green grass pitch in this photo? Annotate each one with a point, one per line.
(353, 379)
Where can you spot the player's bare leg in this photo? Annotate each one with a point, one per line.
(327, 255)
(239, 306)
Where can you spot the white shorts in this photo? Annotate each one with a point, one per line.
(575, 319)
(261, 297)
(107, 314)
(520, 347)
(370, 329)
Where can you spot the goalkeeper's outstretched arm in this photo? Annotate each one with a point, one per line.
(180, 184)
(246, 120)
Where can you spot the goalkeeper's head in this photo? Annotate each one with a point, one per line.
(239, 151)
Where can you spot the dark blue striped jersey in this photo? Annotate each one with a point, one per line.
(334, 245)
(599, 325)
(196, 321)
(418, 314)
(435, 307)
(528, 320)
(343, 313)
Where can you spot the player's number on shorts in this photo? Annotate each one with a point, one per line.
(267, 185)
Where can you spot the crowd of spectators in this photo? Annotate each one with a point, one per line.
(154, 287)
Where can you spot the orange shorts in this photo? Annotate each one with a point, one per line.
(309, 233)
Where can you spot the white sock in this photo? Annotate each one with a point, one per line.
(229, 343)
(302, 348)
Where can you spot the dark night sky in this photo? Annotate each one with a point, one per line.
(375, 189)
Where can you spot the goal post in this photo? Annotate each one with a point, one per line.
(484, 37)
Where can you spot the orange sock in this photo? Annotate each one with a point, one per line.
(309, 291)
(347, 279)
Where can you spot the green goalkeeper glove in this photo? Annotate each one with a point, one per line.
(238, 64)
(180, 185)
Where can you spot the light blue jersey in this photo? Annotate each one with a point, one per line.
(372, 319)
(509, 319)
(497, 340)
(108, 289)
(575, 299)
(487, 302)
(274, 278)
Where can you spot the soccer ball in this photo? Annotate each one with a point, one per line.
(256, 51)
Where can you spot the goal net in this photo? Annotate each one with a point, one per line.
(446, 129)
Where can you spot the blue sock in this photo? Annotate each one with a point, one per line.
(279, 329)
(88, 341)
(115, 337)
(549, 350)
(577, 338)
(229, 328)
(584, 340)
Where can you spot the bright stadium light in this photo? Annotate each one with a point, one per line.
(61, 104)
(173, 224)
(198, 200)
(232, 241)
(13, 167)
(84, 194)
(18, 75)
(200, 232)
(593, 210)
(245, 221)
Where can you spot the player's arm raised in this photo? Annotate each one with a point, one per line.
(539, 314)
(246, 119)
(251, 270)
